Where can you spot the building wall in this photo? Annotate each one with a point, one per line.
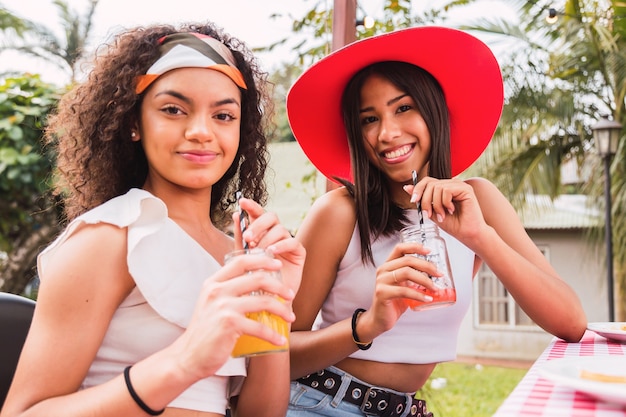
(577, 264)
(582, 267)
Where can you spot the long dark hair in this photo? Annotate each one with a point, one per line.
(376, 213)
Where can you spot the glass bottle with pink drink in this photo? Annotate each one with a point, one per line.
(428, 235)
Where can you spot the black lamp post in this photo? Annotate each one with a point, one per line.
(606, 134)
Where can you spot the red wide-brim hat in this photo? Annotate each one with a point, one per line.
(463, 65)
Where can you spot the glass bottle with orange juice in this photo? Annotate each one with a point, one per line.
(248, 345)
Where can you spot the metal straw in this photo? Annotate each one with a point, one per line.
(420, 216)
(242, 219)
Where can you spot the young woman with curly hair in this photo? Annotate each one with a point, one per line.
(137, 313)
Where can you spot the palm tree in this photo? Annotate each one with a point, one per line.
(560, 79)
(39, 41)
(10, 22)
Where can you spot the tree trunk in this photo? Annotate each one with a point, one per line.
(21, 265)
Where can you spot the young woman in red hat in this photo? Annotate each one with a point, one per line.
(137, 314)
(424, 100)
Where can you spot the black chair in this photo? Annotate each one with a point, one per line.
(16, 313)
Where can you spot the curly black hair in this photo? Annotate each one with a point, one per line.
(91, 127)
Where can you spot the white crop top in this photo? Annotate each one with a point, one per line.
(418, 337)
(168, 267)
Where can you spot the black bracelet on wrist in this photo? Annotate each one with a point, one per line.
(355, 337)
(138, 400)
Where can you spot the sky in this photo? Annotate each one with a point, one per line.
(249, 20)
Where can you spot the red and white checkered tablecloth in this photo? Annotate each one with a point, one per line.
(538, 397)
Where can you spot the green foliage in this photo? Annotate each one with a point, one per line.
(28, 218)
(559, 79)
(10, 22)
(24, 165)
(470, 390)
(314, 28)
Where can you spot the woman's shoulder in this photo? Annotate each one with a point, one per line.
(107, 222)
(497, 210)
(480, 183)
(332, 215)
(94, 251)
(338, 202)
(486, 191)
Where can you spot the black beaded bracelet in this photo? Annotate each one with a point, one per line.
(355, 337)
(138, 400)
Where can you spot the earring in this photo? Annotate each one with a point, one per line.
(133, 134)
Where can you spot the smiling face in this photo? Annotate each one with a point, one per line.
(395, 134)
(190, 121)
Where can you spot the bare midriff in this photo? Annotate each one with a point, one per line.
(181, 412)
(401, 377)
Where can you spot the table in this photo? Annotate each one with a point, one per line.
(538, 397)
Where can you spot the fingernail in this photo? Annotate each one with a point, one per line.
(439, 218)
(428, 298)
(413, 198)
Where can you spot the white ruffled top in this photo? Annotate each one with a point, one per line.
(168, 267)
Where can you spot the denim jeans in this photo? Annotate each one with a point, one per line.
(305, 401)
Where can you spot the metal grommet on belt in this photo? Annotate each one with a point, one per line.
(356, 393)
(382, 404)
(329, 383)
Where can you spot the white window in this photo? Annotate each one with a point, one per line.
(494, 306)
